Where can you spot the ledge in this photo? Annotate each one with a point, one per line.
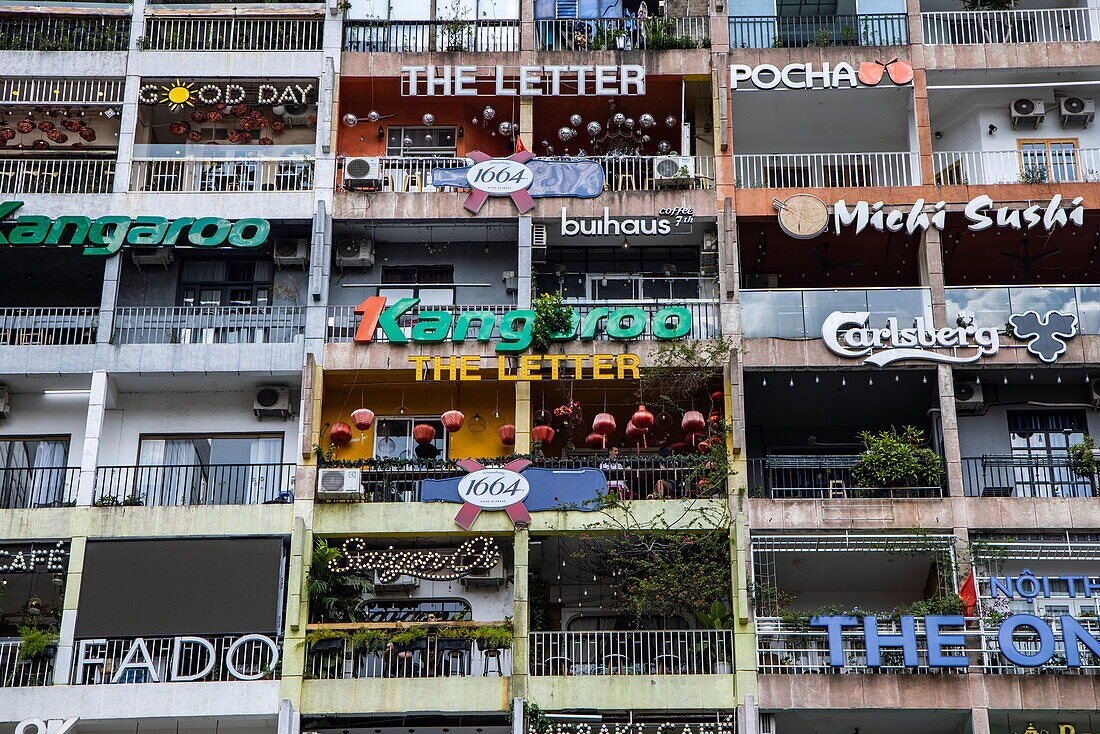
(405, 695)
(658, 692)
(1012, 55)
(144, 522)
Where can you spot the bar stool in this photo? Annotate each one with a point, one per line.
(455, 663)
(629, 179)
(410, 179)
(494, 656)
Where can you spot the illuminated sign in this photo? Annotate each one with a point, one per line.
(529, 367)
(664, 223)
(179, 94)
(525, 81)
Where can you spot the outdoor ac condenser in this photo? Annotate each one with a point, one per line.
(339, 484)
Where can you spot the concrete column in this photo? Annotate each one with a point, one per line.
(290, 721)
(112, 267)
(748, 716)
(744, 634)
(63, 663)
(128, 122)
(521, 616)
(931, 274)
(923, 131)
(527, 26)
(979, 721)
(297, 608)
(952, 457)
(101, 399)
(523, 417)
(524, 266)
(320, 265)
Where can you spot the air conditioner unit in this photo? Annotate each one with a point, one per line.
(673, 166)
(401, 583)
(339, 484)
(363, 174)
(969, 398)
(272, 401)
(486, 576)
(152, 256)
(767, 723)
(5, 402)
(1094, 393)
(355, 253)
(1027, 111)
(761, 280)
(1076, 110)
(291, 252)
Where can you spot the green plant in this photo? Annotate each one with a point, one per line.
(552, 316)
(493, 638)
(371, 640)
(896, 459)
(133, 500)
(107, 500)
(1082, 458)
(534, 720)
(35, 640)
(823, 38)
(334, 596)
(715, 618)
(408, 636)
(947, 604)
(1034, 175)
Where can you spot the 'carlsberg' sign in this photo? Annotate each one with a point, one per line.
(977, 211)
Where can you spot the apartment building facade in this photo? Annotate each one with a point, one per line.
(294, 441)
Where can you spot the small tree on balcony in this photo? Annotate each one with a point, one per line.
(897, 459)
(334, 596)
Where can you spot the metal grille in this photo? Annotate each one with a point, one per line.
(48, 326)
(1048, 25)
(796, 31)
(222, 176)
(405, 36)
(34, 90)
(38, 487)
(428, 657)
(623, 34)
(209, 324)
(16, 670)
(206, 484)
(60, 33)
(649, 652)
(826, 170)
(232, 34)
(56, 176)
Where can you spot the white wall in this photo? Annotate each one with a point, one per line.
(35, 414)
(970, 129)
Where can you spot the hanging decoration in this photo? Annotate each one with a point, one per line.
(423, 433)
(636, 434)
(477, 424)
(475, 554)
(543, 417)
(362, 419)
(544, 434)
(693, 422)
(594, 441)
(619, 134)
(604, 424)
(340, 434)
(452, 420)
(643, 418)
(507, 434)
(568, 415)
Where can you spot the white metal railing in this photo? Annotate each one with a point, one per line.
(221, 176)
(232, 34)
(56, 176)
(417, 36)
(41, 90)
(41, 326)
(826, 170)
(404, 173)
(208, 324)
(1047, 25)
(791, 647)
(622, 34)
(343, 321)
(426, 657)
(642, 652)
(251, 659)
(16, 670)
(651, 173)
(966, 167)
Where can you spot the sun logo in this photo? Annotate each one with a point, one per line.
(178, 95)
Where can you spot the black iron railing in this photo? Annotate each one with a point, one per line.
(819, 477)
(1026, 476)
(29, 487)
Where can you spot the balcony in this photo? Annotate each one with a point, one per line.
(426, 657)
(801, 477)
(647, 652)
(48, 326)
(764, 31)
(1048, 25)
(60, 33)
(431, 36)
(1026, 476)
(209, 325)
(1058, 165)
(231, 34)
(56, 176)
(799, 314)
(991, 306)
(192, 485)
(826, 170)
(228, 658)
(622, 34)
(34, 487)
(176, 175)
(18, 671)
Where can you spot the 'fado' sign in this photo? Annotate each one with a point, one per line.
(516, 328)
(106, 235)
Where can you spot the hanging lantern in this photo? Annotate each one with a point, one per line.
(278, 126)
(507, 434)
(195, 136)
(693, 422)
(543, 417)
(57, 136)
(604, 424)
(45, 126)
(543, 434)
(703, 447)
(680, 447)
(340, 434)
(634, 433)
(423, 433)
(452, 420)
(643, 418)
(476, 424)
(25, 126)
(87, 133)
(363, 419)
(214, 116)
(199, 116)
(594, 441)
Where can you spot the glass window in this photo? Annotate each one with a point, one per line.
(1040, 449)
(393, 439)
(210, 470)
(32, 472)
(1048, 160)
(438, 140)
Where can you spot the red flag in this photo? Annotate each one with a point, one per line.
(969, 594)
(520, 147)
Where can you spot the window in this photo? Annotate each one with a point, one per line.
(32, 472)
(421, 141)
(393, 439)
(225, 283)
(211, 470)
(418, 282)
(1040, 449)
(1048, 160)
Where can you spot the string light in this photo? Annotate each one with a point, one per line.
(25, 561)
(475, 554)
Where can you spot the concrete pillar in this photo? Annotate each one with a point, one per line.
(112, 267)
(521, 616)
(101, 399)
(524, 266)
(979, 721)
(527, 26)
(744, 634)
(290, 721)
(945, 378)
(748, 716)
(320, 266)
(523, 417)
(297, 608)
(128, 121)
(63, 663)
(923, 128)
(932, 276)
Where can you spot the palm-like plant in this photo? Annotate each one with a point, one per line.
(334, 596)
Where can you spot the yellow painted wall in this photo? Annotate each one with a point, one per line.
(422, 399)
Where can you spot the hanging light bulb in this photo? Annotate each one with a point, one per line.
(1006, 379)
(764, 382)
(924, 379)
(843, 382)
(1059, 380)
(1031, 376)
(897, 377)
(791, 384)
(870, 380)
(817, 379)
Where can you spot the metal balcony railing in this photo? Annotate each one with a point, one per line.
(232, 34)
(405, 174)
(251, 659)
(819, 477)
(208, 324)
(42, 486)
(194, 484)
(343, 321)
(56, 176)
(826, 170)
(622, 34)
(991, 306)
(1047, 25)
(770, 31)
(1027, 476)
(412, 36)
(60, 33)
(799, 313)
(178, 175)
(968, 167)
(17, 671)
(643, 652)
(427, 657)
(48, 326)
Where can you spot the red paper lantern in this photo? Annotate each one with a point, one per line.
(278, 126)
(340, 434)
(507, 434)
(45, 126)
(693, 422)
(240, 110)
(594, 441)
(267, 141)
(7, 134)
(87, 133)
(716, 396)
(423, 433)
(40, 144)
(195, 136)
(72, 126)
(78, 146)
(643, 418)
(452, 420)
(25, 126)
(363, 419)
(680, 447)
(57, 136)
(604, 424)
(544, 434)
(214, 116)
(634, 433)
(199, 116)
(179, 129)
(704, 447)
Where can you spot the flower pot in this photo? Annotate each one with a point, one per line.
(331, 644)
(453, 643)
(421, 643)
(722, 667)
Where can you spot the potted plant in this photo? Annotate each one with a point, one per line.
(414, 638)
(37, 642)
(717, 617)
(896, 459)
(324, 640)
(1082, 458)
(493, 638)
(334, 596)
(453, 638)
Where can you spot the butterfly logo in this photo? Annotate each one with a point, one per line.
(1046, 335)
